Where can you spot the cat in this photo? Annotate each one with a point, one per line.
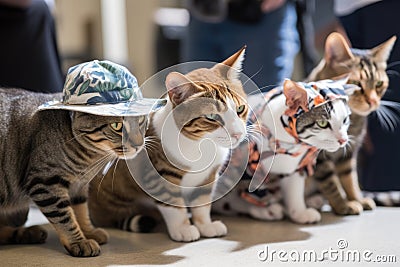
(49, 156)
(336, 172)
(296, 121)
(204, 104)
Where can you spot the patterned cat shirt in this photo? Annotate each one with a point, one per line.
(318, 93)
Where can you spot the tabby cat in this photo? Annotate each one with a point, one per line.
(205, 104)
(337, 171)
(295, 121)
(49, 157)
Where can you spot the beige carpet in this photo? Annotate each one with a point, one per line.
(376, 232)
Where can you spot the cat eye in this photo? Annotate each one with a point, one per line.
(240, 109)
(346, 120)
(116, 126)
(322, 123)
(355, 82)
(213, 117)
(379, 84)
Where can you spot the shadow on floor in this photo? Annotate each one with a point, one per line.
(249, 232)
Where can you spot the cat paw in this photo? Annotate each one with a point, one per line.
(185, 233)
(33, 235)
(214, 229)
(271, 213)
(315, 201)
(309, 215)
(348, 208)
(84, 248)
(99, 235)
(367, 203)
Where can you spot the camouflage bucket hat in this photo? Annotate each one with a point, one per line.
(103, 88)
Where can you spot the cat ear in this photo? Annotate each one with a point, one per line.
(296, 97)
(382, 51)
(232, 66)
(337, 49)
(179, 87)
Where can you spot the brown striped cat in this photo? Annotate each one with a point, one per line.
(203, 105)
(336, 172)
(49, 157)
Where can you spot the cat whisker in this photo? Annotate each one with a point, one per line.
(392, 104)
(392, 64)
(254, 132)
(151, 142)
(254, 136)
(392, 72)
(104, 174)
(113, 176)
(352, 140)
(380, 119)
(97, 164)
(387, 120)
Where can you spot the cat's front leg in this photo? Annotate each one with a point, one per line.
(347, 171)
(51, 196)
(201, 209)
(80, 207)
(178, 224)
(293, 194)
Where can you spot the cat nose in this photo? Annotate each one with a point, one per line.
(373, 99)
(342, 141)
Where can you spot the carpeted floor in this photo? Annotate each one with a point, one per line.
(369, 236)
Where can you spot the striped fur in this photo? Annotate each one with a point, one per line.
(205, 104)
(50, 157)
(295, 124)
(336, 173)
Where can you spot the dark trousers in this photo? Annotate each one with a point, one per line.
(366, 28)
(29, 57)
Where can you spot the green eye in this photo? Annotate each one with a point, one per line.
(212, 117)
(355, 82)
(240, 109)
(323, 124)
(117, 126)
(379, 84)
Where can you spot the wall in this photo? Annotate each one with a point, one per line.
(80, 34)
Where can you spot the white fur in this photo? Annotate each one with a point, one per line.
(199, 158)
(292, 186)
(327, 139)
(178, 227)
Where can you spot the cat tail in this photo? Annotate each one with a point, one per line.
(139, 224)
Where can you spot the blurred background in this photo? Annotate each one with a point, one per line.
(145, 36)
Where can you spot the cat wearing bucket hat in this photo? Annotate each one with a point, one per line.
(51, 151)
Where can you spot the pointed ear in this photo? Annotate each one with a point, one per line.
(179, 87)
(336, 49)
(382, 51)
(296, 97)
(232, 66)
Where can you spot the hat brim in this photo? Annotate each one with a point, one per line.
(134, 108)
